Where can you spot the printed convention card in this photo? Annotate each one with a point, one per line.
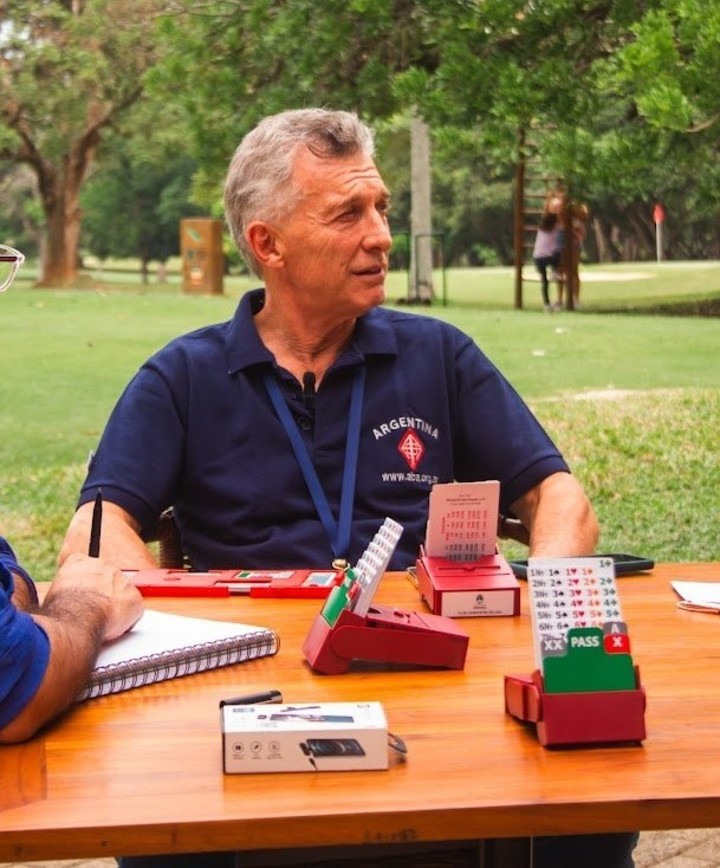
(462, 520)
(572, 592)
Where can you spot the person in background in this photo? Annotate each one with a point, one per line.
(579, 214)
(568, 269)
(555, 204)
(546, 254)
(286, 435)
(47, 650)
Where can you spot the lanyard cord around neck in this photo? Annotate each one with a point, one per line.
(338, 532)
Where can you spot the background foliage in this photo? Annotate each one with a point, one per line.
(621, 98)
(117, 119)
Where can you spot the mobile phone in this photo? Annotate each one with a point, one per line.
(319, 747)
(624, 564)
(314, 718)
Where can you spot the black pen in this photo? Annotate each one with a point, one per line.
(254, 699)
(96, 527)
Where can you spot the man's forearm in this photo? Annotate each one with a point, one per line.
(74, 622)
(120, 541)
(560, 518)
(566, 533)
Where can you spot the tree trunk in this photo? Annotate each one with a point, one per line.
(60, 195)
(421, 276)
(60, 259)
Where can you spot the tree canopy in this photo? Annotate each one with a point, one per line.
(68, 71)
(622, 97)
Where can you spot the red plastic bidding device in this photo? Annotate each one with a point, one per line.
(598, 717)
(313, 584)
(485, 586)
(351, 627)
(460, 572)
(589, 695)
(385, 635)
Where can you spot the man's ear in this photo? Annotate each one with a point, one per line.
(265, 243)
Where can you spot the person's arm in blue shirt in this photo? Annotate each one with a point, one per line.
(89, 602)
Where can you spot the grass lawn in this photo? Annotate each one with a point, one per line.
(606, 287)
(632, 399)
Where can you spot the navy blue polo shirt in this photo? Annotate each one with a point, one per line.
(195, 429)
(24, 645)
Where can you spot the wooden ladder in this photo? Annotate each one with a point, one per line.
(533, 186)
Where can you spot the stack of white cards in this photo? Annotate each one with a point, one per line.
(373, 563)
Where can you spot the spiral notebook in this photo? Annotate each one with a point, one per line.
(163, 646)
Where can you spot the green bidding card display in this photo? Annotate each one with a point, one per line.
(586, 666)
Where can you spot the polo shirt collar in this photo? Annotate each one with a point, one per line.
(373, 336)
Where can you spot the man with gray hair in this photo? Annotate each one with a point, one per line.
(284, 436)
(47, 650)
(259, 181)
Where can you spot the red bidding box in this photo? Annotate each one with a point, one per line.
(468, 589)
(385, 635)
(567, 719)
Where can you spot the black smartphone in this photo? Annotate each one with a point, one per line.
(624, 564)
(320, 747)
(315, 718)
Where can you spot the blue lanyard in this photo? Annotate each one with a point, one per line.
(338, 532)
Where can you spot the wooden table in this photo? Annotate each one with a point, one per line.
(140, 772)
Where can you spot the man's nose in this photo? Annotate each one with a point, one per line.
(378, 232)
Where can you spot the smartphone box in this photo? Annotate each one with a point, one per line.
(304, 737)
(485, 587)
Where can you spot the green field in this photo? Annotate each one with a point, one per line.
(632, 399)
